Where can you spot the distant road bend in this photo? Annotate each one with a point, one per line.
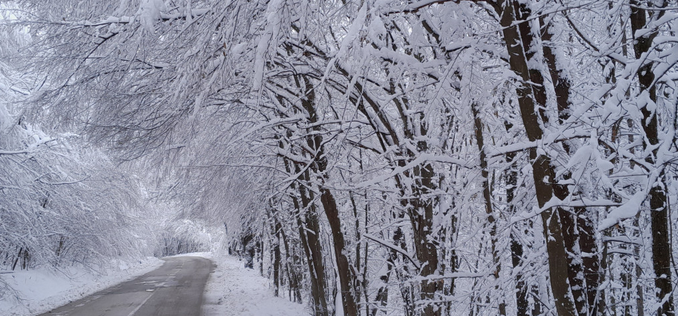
(174, 289)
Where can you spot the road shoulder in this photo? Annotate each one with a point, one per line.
(234, 290)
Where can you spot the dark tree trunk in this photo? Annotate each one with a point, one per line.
(319, 167)
(519, 40)
(487, 196)
(292, 260)
(421, 217)
(523, 290)
(522, 302)
(346, 277)
(275, 252)
(308, 222)
(309, 234)
(381, 299)
(578, 232)
(661, 245)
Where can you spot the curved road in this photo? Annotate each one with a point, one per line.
(174, 289)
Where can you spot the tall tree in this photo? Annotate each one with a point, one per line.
(644, 32)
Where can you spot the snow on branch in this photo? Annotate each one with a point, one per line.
(15, 152)
(622, 239)
(270, 123)
(556, 202)
(31, 149)
(39, 179)
(421, 158)
(518, 147)
(145, 17)
(454, 275)
(626, 210)
(415, 7)
(391, 246)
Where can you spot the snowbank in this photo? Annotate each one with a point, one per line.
(40, 290)
(237, 291)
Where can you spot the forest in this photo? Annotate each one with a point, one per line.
(371, 157)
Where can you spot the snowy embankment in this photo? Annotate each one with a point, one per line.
(237, 291)
(37, 291)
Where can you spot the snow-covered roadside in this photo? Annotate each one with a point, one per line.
(40, 290)
(237, 291)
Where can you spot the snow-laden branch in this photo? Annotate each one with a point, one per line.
(416, 6)
(15, 152)
(622, 239)
(31, 149)
(556, 202)
(626, 210)
(612, 55)
(39, 179)
(518, 147)
(129, 19)
(234, 165)
(633, 205)
(454, 275)
(421, 158)
(409, 256)
(270, 123)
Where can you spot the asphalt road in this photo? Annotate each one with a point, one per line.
(174, 289)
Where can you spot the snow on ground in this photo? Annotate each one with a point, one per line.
(40, 290)
(237, 291)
